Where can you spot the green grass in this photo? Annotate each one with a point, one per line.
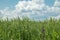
(17, 29)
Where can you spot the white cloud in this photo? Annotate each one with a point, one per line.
(38, 1)
(57, 3)
(53, 9)
(57, 17)
(30, 9)
(8, 13)
(30, 5)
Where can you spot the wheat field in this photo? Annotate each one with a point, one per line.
(17, 29)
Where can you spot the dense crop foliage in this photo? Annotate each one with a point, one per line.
(17, 29)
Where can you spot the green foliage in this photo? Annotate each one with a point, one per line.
(17, 29)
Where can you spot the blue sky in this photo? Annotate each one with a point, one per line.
(37, 9)
(49, 2)
(7, 3)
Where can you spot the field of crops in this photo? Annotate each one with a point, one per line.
(17, 29)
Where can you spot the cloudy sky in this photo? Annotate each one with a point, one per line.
(33, 9)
